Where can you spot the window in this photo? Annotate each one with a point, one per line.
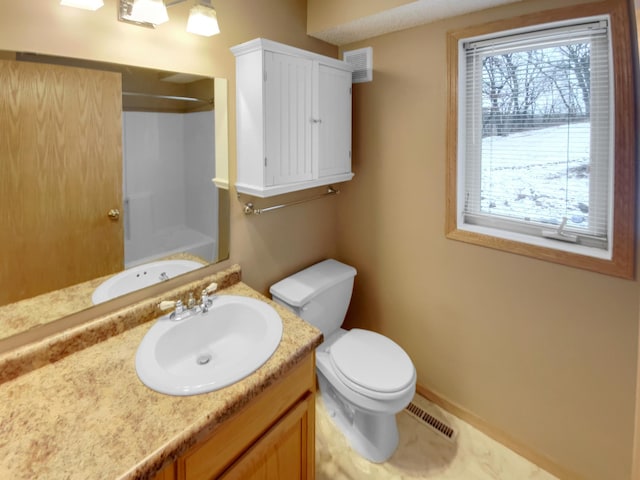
(537, 156)
(537, 165)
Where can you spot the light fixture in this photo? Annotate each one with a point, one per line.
(149, 11)
(84, 4)
(203, 20)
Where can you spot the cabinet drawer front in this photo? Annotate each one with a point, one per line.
(211, 457)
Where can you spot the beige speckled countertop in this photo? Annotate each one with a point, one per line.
(89, 416)
(29, 313)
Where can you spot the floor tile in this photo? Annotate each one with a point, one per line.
(423, 453)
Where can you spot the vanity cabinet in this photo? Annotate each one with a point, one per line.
(272, 437)
(293, 112)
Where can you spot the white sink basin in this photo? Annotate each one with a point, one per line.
(141, 276)
(209, 351)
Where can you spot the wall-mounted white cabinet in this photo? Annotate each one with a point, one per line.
(293, 112)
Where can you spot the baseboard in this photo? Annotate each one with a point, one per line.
(498, 435)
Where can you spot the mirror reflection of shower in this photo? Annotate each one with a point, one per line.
(170, 201)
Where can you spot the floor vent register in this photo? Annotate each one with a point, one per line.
(424, 417)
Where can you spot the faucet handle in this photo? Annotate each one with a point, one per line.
(179, 313)
(166, 305)
(205, 301)
(169, 304)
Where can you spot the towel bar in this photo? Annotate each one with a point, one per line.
(250, 209)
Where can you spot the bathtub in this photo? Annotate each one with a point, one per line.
(169, 242)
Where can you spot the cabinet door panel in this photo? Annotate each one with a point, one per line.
(213, 456)
(280, 453)
(334, 138)
(167, 473)
(288, 119)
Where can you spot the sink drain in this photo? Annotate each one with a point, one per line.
(203, 359)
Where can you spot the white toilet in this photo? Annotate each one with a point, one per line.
(365, 378)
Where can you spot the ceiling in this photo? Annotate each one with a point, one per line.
(405, 16)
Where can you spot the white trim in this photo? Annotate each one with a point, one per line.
(512, 40)
(532, 28)
(259, 44)
(222, 183)
(268, 191)
(538, 241)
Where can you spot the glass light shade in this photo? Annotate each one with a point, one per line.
(84, 4)
(149, 11)
(203, 21)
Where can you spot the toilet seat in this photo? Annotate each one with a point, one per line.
(372, 364)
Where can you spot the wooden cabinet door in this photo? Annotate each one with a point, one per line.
(167, 473)
(290, 397)
(288, 118)
(60, 174)
(282, 452)
(334, 129)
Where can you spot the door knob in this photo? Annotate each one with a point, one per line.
(114, 214)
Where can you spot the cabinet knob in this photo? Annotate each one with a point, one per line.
(316, 120)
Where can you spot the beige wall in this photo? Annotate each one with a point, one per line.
(544, 353)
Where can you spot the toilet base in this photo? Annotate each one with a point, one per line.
(373, 436)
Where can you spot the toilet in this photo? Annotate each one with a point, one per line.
(365, 378)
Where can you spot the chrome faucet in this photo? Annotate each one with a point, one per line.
(180, 312)
(164, 277)
(205, 299)
(205, 302)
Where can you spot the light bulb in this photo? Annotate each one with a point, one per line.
(149, 11)
(84, 4)
(203, 21)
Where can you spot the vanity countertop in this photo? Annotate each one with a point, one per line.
(31, 312)
(89, 416)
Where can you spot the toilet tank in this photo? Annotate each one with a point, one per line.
(319, 294)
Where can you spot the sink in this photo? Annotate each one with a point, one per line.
(141, 276)
(209, 351)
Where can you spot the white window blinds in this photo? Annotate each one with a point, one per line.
(535, 132)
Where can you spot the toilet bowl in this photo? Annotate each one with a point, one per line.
(365, 378)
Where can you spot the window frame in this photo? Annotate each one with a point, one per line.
(620, 261)
(594, 241)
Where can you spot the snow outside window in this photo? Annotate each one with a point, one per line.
(535, 148)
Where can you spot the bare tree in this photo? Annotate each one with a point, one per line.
(522, 90)
(578, 58)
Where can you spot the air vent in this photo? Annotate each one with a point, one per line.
(362, 62)
(428, 419)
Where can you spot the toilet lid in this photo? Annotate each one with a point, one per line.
(372, 361)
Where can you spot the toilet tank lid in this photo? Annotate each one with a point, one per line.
(300, 287)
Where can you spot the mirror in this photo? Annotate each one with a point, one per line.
(166, 205)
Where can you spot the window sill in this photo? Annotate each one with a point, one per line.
(553, 251)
